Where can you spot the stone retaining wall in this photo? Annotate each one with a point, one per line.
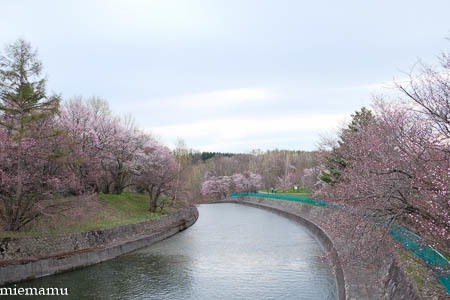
(397, 285)
(27, 258)
(355, 281)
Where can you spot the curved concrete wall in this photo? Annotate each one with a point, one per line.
(321, 235)
(29, 258)
(353, 282)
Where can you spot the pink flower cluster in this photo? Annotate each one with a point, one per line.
(220, 186)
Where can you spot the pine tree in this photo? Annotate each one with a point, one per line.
(26, 114)
(23, 98)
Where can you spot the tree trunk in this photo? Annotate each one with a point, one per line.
(151, 202)
(153, 199)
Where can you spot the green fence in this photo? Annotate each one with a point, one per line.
(412, 242)
(432, 258)
(284, 197)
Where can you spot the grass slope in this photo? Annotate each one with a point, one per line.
(90, 212)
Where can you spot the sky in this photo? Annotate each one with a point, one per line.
(230, 76)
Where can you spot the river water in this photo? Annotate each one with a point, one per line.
(232, 252)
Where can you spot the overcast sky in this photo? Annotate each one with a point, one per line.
(229, 75)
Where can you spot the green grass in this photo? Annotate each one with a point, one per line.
(108, 210)
(301, 191)
(445, 254)
(306, 195)
(126, 208)
(131, 208)
(424, 279)
(304, 203)
(129, 205)
(296, 194)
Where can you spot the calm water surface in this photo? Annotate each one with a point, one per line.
(232, 252)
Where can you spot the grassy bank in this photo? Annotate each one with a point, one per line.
(89, 212)
(426, 283)
(296, 194)
(301, 191)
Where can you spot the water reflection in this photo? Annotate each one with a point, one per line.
(232, 252)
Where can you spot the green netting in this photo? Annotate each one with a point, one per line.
(412, 242)
(432, 258)
(284, 197)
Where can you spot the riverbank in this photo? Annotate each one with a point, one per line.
(231, 252)
(23, 258)
(353, 281)
(64, 215)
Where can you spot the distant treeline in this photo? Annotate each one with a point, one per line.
(204, 156)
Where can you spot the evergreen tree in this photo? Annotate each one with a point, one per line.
(26, 136)
(335, 162)
(23, 98)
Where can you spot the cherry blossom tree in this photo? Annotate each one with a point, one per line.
(27, 174)
(428, 88)
(310, 178)
(394, 166)
(89, 128)
(156, 172)
(120, 160)
(217, 186)
(247, 182)
(286, 181)
(220, 186)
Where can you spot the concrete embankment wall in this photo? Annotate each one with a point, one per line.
(353, 281)
(33, 257)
